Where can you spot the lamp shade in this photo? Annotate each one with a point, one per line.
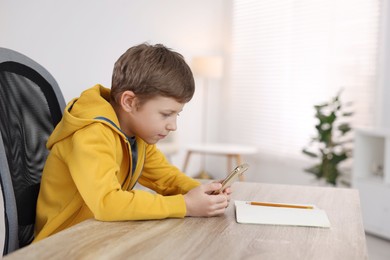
(207, 66)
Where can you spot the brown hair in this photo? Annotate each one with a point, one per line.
(150, 71)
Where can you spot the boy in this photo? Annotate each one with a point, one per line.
(105, 143)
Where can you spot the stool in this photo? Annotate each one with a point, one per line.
(231, 151)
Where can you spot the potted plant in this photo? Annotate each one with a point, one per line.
(330, 143)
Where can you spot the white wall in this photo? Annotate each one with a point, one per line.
(79, 41)
(384, 68)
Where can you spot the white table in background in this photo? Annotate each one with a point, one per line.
(231, 151)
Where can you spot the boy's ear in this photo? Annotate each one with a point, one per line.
(128, 101)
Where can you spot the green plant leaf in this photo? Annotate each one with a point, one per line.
(331, 175)
(330, 139)
(347, 114)
(325, 135)
(316, 170)
(319, 107)
(311, 154)
(337, 158)
(344, 128)
(329, 119)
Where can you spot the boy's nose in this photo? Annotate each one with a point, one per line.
(171, 126)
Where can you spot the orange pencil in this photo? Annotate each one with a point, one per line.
(267, 204)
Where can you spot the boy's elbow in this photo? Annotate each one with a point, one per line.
(103, 211)
(107, 207)
(104, 215)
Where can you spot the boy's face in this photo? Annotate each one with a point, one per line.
(153, 120)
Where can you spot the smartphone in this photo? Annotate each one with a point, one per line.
(238, 171)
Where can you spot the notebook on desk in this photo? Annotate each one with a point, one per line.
(298, 215)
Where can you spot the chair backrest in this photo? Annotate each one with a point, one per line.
(31, 105)
(2, 221)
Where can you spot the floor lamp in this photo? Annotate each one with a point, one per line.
(207, 68)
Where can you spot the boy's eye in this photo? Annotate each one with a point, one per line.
(166, 114)
(169, 114)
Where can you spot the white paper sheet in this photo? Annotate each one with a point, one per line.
(251, 214)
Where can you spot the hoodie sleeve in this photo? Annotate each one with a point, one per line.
(94, 164)
(163, 177)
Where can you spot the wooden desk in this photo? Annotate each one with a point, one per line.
(219, 237)
(231, 151)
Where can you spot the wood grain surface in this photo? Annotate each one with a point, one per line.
(219, 237)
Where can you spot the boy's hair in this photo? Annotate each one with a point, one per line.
(150, 71)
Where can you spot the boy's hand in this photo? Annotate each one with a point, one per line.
(227, 191)
(200, 203)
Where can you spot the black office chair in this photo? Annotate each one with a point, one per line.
(31, 105)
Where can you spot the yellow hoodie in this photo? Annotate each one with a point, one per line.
(87, 173)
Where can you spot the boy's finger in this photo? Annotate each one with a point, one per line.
(220, 198)
(228, 190)
(210, 187)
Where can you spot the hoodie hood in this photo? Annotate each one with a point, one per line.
(83, 111)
